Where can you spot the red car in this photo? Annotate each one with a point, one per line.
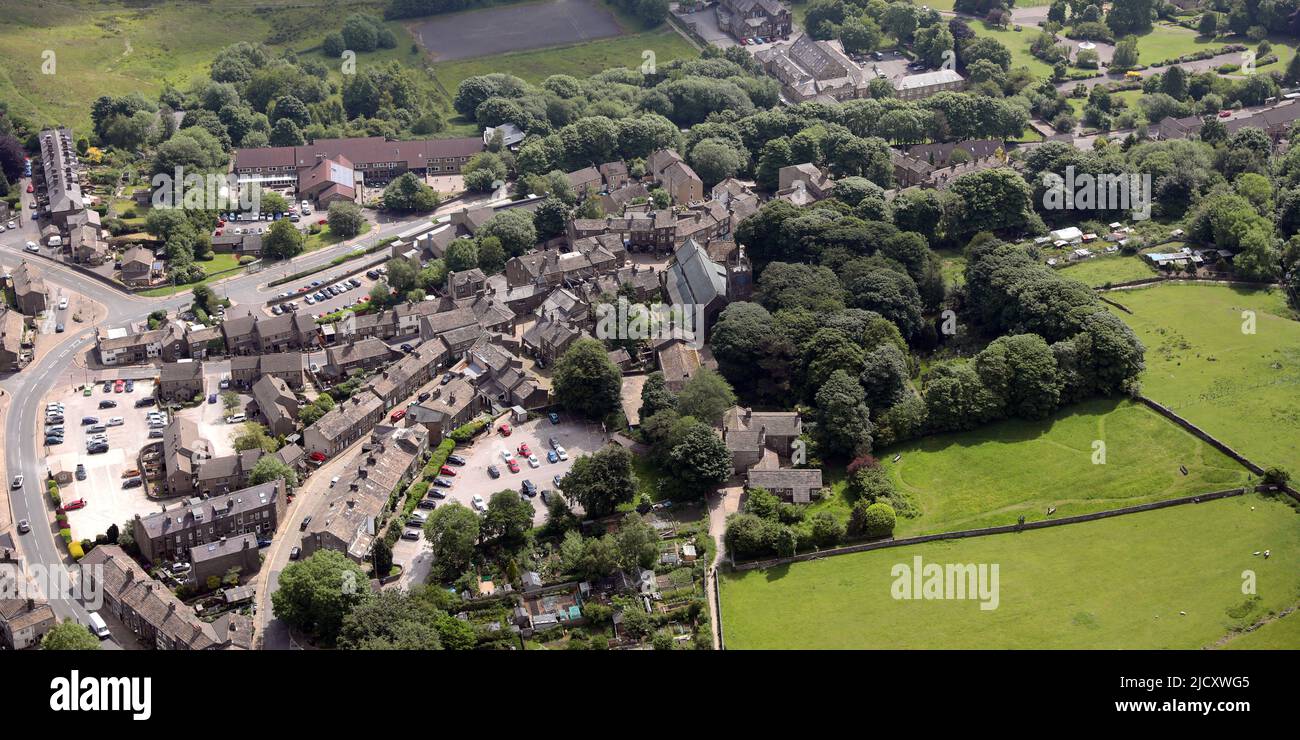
(1225, 113)
(30, 189)
(523, 449)
(447, 470)
(74, 505)
(317, 456)
(396, 415)
(119, 386)
(504, 429)
(513, 465)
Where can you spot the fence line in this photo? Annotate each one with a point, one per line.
(986, 531)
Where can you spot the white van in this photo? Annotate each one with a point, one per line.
(98, 627)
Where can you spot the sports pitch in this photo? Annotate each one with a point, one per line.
(516, 27)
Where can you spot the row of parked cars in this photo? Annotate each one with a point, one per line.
(430, 501)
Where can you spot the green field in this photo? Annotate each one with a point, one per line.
(1242, 388)
(1099, 271)
(993, 475)
(1017, 42)
(1110, 584)
(114, 49)
(219, 263)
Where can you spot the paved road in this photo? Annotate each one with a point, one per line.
(28, 387)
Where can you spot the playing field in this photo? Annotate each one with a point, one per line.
(993, 475)
(1244, 388)
(1163, 579)
(516, 27)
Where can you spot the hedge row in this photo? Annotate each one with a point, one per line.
(467, 432)
(355, 254)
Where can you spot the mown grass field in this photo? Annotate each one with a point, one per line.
(1116, 583)
(993, 475)
(1242, 388)
(1099, 271)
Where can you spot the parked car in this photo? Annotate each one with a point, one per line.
(212, 398)
(295, 553)
(546, 496)
(551, 457)
(73, 505)
(135, 482)
(106, 404)
(426, 504)
(306, 521)
(524, 450)
(81, 471)
(506, 455)
(529, 488)
(513, 466)
(411, 534)
(554, 417)
(562, 454)
(441, 482)
(478, 504)
(553, 442)
(505, 430)
(88, 420)
(447, 470)
(455, 459)
(556, 480)
(116, 421)
(494, 471)
(146, 401)
(533, 462)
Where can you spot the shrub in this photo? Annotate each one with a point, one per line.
(872, 520)
(467, 432)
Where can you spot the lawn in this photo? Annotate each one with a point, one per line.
(218, 264)
(1242, 388)
(1099, 271)
(997, 473)
(1166, 42)
(1121, 583)
(326, 238)
(1017, 42)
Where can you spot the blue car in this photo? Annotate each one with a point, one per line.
(551, 456)
(554, 417)
(212, 398)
